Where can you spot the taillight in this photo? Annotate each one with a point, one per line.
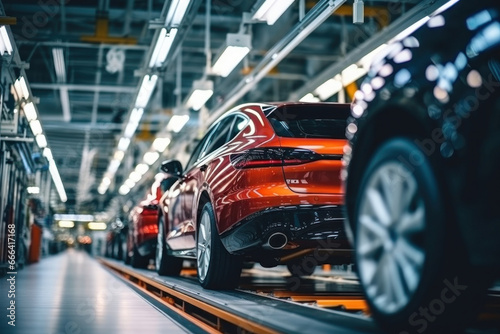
(273, 156)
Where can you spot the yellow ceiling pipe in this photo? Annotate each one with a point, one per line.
(101, 34)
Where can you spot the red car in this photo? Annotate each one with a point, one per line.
(262, 185)
(143, 228)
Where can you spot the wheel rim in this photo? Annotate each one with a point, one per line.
(204, 245)
(159, 245)
(391, 227)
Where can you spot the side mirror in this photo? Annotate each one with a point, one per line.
(171, 168)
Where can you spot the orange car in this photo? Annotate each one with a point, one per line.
(262, 185)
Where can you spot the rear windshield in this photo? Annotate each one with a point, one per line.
(310, 121)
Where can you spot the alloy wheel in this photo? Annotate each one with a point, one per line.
(204, 245)
(390, 231)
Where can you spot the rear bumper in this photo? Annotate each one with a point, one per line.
(306, 226)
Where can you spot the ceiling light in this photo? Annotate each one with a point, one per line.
(271, 10)
(134, 176)
(352, 73)
(41, 141)
(36, 127)
(57, 181)
(21, 88)
(59, 65)
(162, 47)
(151, 157)
(237, 47)
(160, 144)
(119, 155)
(102, 190)
(65, 106)
(133, 123)
(142, 168)
(74, 217)
(309, 98)
(123, 144)
(147, 87)
(47, 153)
(66, 223)
(33, 190)
(176, 12)
(113, 166)
(202, 92)
(129, 183)
(29, 111)
(97, 226)
(329, 88)
(177, 122)
(124, 190)
(5, 44)
(106, 181)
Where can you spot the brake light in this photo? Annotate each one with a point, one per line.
(273, 156)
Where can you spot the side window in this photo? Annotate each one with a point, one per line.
(220, 137)
(195, 156)
(239, 124)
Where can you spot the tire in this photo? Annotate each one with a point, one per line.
(408, 254)
(166, 265)
(139, 261)
(217, 269)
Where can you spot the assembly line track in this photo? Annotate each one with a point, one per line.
(239, 311)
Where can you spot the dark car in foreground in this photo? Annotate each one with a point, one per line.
(262, 185)
(422, 184)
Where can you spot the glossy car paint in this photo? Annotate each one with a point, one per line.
(441, 85)
(239, 193)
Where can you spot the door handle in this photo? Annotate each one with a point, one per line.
(203, 168)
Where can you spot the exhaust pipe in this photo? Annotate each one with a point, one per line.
(276, 240)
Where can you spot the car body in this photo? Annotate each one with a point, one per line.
(422, 169)
(143, 227)
(264, 171)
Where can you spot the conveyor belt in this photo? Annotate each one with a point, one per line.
(257, 312)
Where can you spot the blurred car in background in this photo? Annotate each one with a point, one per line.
(262, 185)
(143, 228)
(422, 185)
(116, 239)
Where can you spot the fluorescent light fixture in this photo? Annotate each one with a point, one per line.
(41, 141)
(118, 155)
(124, 190)
(142, 169)
(29, 111)
(57, 181)
(129, 183)
(309, 98)
(59, 65)
(113, 166)
(5, 44)
(177, 122)
(329, 88)
(237, 47)
(271, 10)
(147, 87)
(410, 30)
(160, 144)
(66, 223)
(47, 153)
(133, 123)
(33, 190)
(162, 47)
(352, 73)
(21, 88)
(123, 144)
(151, 157)
(202, 92)
(36, 127)
(74, 217)
(102, 189)
(134, 176)
(63, 94)
(97, 226)
(106, 181)
(176, 12)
